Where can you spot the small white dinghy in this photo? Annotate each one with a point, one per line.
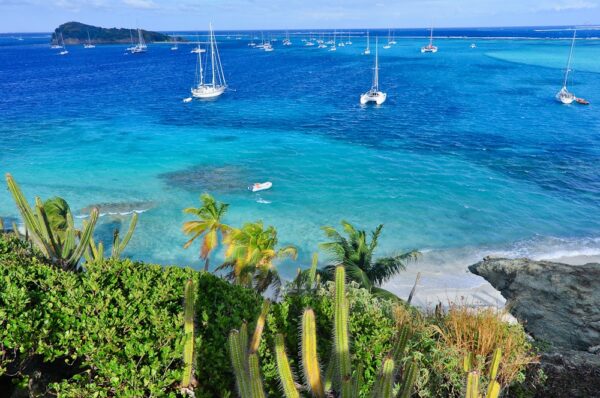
(187, 100)
(260, 186)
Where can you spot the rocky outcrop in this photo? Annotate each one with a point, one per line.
(558, 304)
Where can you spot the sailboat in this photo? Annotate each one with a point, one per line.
(55, 44)
(333, 47)
(132, 46)
(198, 49)
(63, 46)
(175, 46)
(393, 41)
(389, 43)
(430, 48)
(217, 84)
(287, 41)
(349, 42)
(341, 43)
(564, 95)
(89, 42)
(140, 47)
(374, 95)
(368, 49)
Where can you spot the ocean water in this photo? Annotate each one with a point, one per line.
(470, 155)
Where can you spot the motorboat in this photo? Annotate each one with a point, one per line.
(260, 186)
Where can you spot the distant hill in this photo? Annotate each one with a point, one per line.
(77, 33)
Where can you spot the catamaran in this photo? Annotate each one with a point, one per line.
(564, 95)
(89, 44)
(430, 48)
(140, 47)
(374, 94)
(217, 84)
(63, 46)
(368, 49)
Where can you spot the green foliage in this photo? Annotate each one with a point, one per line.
(356, 253)
(115, 329)
(51, 228)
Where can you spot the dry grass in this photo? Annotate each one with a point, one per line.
(481, 331)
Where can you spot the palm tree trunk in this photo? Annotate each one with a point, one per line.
(412, 292)
(206, 264)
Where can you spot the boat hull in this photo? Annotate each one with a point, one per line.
(377, 98)
(260, 186)
(207, 92)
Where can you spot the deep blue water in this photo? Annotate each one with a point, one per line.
(471, 153)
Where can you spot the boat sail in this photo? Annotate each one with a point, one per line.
(140, 47)
(564, 95)
(63, 46)
(368, 49)
(374, 94)
(217, 85)
(89, 44)
(430, 48)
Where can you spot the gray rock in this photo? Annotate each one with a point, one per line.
(557, 303)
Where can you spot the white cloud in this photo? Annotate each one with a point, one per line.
(143, 4)
(567, 5)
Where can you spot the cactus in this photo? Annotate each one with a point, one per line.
(1, 225)
(51, 228)
(188, 328)
(286, 377)
(95, 252)
(340, 335)
(310, 359)
(472, 389)
(408, 380)
(339, 379)
(244, 357)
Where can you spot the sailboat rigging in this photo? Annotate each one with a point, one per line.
(430, 48)
(217, 85)
(374, 94)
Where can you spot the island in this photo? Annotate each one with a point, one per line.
(77, 33)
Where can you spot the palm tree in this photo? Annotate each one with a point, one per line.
(208, 226)
(355, 253)
(250, 256)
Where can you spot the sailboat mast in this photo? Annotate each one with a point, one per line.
(368, 41)
(376, 71)
(431, 38)
(212, 54)
(570, 57)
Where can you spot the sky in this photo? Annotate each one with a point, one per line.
(174, 15)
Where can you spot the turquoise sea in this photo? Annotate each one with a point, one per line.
(470, 155)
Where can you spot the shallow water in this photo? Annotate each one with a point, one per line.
(470, 154)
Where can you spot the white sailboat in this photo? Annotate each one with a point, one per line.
(175, 46)
(287, 41)
(341, 43)
(333, 46)
(368, 49)
(132, 46)
(349, 42)
(140, 47)
(89, 44)
(217, 85)
(55, 44)
(374, 94)
(63, 46)
(389, 44)
(564, 95)
(430, 48)
(393, 41)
